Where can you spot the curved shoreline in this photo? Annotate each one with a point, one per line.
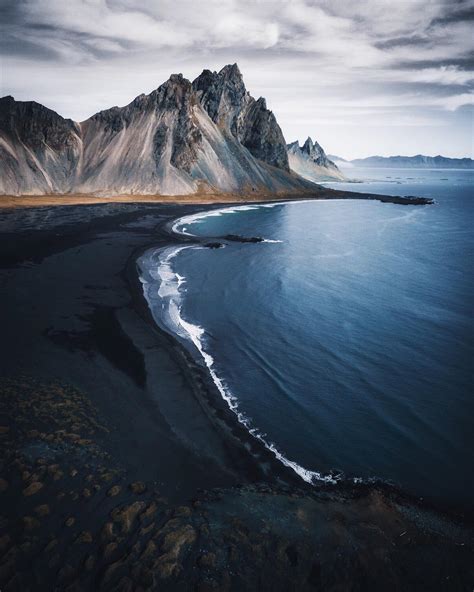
(188, 335)
(78, 331)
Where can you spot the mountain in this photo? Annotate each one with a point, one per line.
(185, 137)
(418, 161)
(310, 161)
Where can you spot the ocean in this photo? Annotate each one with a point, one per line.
(344, 341)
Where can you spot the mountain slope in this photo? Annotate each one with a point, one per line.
(209, 135)
(310, 161)
(39, 150)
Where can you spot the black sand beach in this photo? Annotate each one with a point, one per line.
(122, 469)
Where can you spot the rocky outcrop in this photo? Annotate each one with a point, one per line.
(209, 135)
(310, 161)
(225, 98)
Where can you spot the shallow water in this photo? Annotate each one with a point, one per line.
(347, 342)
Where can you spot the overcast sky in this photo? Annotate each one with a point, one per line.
(371, 77)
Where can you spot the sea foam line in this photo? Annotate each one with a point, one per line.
(167, 303)
(180, 224)
(170, 313)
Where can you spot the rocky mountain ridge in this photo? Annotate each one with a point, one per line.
(311, 162)
(209, 135)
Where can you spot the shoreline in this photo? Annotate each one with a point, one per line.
(74, 312)
(207, 390)
(194, 350)
(320, 192)
(261, 463)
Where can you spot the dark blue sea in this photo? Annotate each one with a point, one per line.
(345, 340)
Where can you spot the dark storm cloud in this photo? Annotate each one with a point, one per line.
(462, 62)
(403, 41)
(463, 15)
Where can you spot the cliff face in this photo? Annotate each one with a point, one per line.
(229, 105)
(209, 135)
(310, 161)
(39, 150)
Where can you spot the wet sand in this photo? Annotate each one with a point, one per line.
(106, 421)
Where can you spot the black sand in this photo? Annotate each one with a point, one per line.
(106, 421)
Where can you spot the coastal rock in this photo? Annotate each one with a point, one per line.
(149, 512)
(84, 537)
(243, 239)
(112, 570)
(177, 539)
(109, 550)
(149, 550)
(108, 531)
(126, 516)
(32, 488)
(114, 490)
(137, 487)
(310, 161)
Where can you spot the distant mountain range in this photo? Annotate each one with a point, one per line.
(418, 161)
(209, 135)
(205, 136)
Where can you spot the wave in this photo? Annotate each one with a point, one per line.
(166, 305)
(180, 225)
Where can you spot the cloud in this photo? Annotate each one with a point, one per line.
(304, 55)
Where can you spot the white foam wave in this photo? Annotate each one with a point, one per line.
(165, 302)
(180, 226)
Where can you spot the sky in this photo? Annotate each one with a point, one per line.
(380, 77)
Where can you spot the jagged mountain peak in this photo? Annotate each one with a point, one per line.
(229, 74)
(182, 137)
(222, 94)
(308, 146)
(232, 72)
(230, 106)
(310, 161)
